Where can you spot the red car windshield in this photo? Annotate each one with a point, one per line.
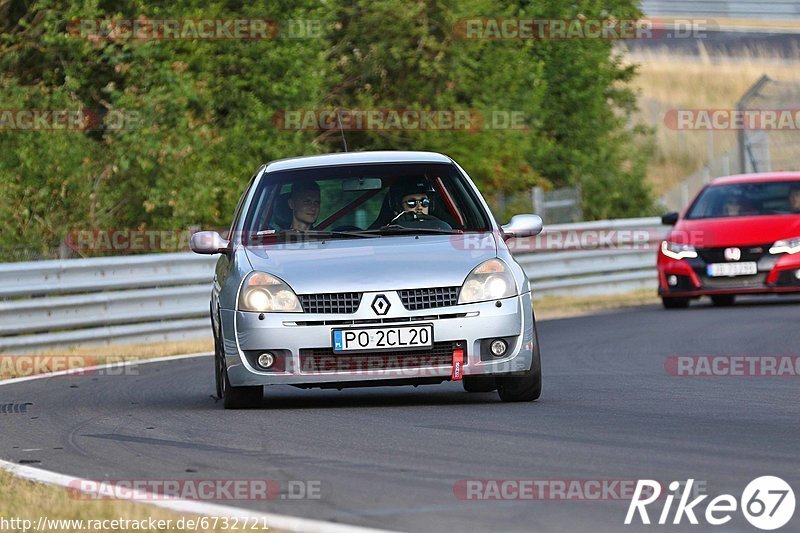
(747, 199)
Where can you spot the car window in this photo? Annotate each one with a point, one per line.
(365, 197)
(238, 211)
(747, 199)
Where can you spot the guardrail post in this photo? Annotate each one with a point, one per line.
(537, 196)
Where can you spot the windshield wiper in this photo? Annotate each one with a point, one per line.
(302, 235)
(324, 233)
(397, 229)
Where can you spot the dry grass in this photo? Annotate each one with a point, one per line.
(667, 82)
(27, 500)
(551, 307)
(773, 24)
(142, 351)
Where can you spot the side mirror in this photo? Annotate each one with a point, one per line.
(670, 219)
(523, 226)
(208, 242)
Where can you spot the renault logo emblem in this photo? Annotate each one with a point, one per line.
(733, 254)
(380, 305)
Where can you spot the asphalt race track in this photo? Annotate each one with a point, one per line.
(389, 457)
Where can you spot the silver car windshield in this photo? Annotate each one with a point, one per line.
(363, 200)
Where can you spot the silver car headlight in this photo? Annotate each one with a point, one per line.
(677, 251)
(491, 280)
(264, 293)
(786, 246)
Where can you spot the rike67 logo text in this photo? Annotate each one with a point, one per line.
(767, 502)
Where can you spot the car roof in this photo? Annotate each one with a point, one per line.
(356, 158)
(759, 177)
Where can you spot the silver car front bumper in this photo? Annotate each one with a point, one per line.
(290, 333)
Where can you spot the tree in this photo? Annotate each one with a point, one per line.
(182, 124)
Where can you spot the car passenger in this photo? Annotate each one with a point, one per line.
(737, 207)
(304, 202)
(794, 198)
(732, 207)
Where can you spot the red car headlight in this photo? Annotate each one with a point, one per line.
(678, 251)
(786, 246)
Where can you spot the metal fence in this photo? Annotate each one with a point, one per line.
(678, 198)
(558, 206)
(757, 150)
(165, 297)
(767, 150)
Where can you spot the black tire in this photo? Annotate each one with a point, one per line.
(520, 388)
(479, 384)
(217, 359)
(240, 397)
(723, 300)
(527, 387)
(232, 397)
(671, 302)
(218, 371)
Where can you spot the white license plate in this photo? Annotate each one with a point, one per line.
(747, 268)
(393, 338)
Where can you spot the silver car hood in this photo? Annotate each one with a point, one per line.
(375, 264)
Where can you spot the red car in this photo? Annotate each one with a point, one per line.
(740, 235)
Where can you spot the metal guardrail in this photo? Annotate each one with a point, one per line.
(742, 9)
(129, 299)
(589, 258)
(165, 297)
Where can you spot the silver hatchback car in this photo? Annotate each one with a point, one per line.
(369, 269)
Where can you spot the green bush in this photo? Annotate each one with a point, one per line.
(199, 113)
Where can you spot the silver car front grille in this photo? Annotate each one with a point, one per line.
(417, 299)
(335, 302)
(348, 302)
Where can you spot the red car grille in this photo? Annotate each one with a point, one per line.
(717, 255)
(738, 282)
